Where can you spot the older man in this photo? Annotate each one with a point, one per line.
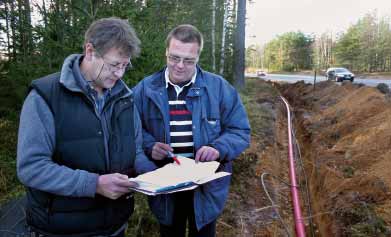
(80, 139)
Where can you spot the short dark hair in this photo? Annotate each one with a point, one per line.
(187, 34)
(107, 33)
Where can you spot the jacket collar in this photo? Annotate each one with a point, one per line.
(200, 79)
(67, 76)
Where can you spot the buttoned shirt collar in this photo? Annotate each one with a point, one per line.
(178, 89)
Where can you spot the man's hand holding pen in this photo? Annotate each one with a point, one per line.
(162, 150)
(159, 151)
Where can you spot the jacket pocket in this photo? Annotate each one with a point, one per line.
(213, 128)
(122, 117)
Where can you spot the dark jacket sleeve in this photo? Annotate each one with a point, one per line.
(142, 163)
(148, 140)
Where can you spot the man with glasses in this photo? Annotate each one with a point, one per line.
(80, 139)
(193, 113)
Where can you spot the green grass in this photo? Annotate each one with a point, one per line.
(9, 184)
(258, 98)
(361, 220)
(142, 222)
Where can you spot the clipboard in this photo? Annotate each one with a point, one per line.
(176, 178)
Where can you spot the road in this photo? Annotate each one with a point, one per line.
(310, 79)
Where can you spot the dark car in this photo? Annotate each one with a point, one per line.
(339, 74)
(261, 73)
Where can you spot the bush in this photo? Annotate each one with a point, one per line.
(348, 172)
(383, 88)
(361, 220)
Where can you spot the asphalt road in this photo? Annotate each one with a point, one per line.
(310, 79)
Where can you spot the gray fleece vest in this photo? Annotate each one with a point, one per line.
(80, 145)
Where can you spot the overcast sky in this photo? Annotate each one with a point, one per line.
(268, 18)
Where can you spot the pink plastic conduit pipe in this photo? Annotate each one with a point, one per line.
(299, 225)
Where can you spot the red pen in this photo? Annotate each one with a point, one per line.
(171, 155)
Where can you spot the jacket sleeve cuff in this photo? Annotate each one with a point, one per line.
(220, 149)
(148, 149)
(91, 185)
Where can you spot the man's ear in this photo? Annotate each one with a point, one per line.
(88, 51)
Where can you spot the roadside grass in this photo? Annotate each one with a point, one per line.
(380, 74)
(258, 97)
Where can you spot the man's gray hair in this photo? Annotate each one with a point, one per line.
(107, 33)
(186, 34)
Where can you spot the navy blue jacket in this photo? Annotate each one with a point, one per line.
(219, 120)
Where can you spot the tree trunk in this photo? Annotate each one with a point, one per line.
(7, 28)
(23, 39)
(225, 20)
(59, 24)
(44, 14)
(28, 32)
(213, 31)
(239, 46)
(45, 36)
(94, 9)
(13, 28)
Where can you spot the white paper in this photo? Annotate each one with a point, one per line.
(175, 177)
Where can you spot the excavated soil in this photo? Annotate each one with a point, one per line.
(345, 132)
(343, 152)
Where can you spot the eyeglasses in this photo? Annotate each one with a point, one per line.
(186, 61)
(115, 67)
